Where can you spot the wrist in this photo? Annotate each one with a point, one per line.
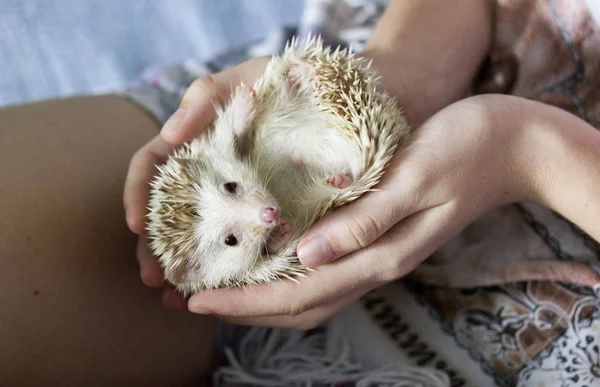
(513, 149)
(534, 148)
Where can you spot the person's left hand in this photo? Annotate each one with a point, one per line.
(196, 111)
(465, 160)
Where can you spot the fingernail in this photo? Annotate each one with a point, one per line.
(174, 121)
(314, 252)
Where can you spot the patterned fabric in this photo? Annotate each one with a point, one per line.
(516, 296)
(529, 307)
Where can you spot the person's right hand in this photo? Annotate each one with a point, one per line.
(196, 111)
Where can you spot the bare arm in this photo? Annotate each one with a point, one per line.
(568, 170)
(428, 52)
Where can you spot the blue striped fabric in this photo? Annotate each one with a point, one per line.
(66, 47)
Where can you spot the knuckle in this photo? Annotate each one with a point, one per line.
(416, 177)
(393, 273)
(139, 155)
(144, 153)
(205, 84)
(364, 230)
(204, 87)
(400, 268)
(376, 266)
(385, 263)
(297, 307)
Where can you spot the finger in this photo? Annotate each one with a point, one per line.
(414, 239)
(197, 108)
(360, 223)
(141, 171)
(150, 270)
(392, 256)
(304, 321)
(285, 297)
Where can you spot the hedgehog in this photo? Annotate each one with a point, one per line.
(314, 133)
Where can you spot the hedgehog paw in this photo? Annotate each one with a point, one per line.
(280, 236)
(243, 105)
(340, 180)
(297, 72)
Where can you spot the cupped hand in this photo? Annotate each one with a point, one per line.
(463, 161)
(196, 111)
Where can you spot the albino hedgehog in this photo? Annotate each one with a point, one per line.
(313, 133)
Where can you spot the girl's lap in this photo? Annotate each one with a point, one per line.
(73, 308)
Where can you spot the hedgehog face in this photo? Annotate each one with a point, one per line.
(235, 215)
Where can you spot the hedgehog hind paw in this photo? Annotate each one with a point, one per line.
(339, 180)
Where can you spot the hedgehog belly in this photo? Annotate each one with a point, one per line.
(296, 146)
(345, 125)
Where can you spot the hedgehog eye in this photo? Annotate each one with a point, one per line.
(195, 212)
(230, 187)
(231, 240)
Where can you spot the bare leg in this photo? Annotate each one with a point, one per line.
(73, 310)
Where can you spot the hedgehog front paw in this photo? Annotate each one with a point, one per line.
(243, 104)
(339, 180)
(280, 235)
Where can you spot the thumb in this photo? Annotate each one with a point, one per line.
(197, 108)
(349, 228)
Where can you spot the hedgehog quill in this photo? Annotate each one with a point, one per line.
(312, 134)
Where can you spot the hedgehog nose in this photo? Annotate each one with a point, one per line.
(270, 215)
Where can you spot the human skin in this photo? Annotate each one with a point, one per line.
(466, 159)
(72, 309)
(438, 56)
